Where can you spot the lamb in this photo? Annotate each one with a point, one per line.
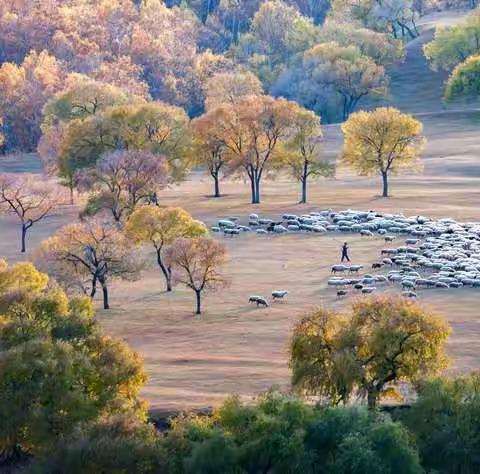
(341, 293)
(409, 294)
(377, 265)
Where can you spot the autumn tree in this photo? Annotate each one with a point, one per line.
(454, 44)
(383, 340)
(159, 227)
(383, 141)
(197, 264)
(58, 371)
(346, 71)
(81, 98)
(24, 90)
(91, 252)
(156, 127)
(29, 199)
(208, 149)
(230, 87)
(122, 180)
(380, 47)
(302, 153)
(464, 81)
(251, 132)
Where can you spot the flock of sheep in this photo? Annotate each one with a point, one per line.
(437, 253)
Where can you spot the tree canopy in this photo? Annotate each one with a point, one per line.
(383, 141)
(362, 354)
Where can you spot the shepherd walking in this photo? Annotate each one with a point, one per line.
(345, 252)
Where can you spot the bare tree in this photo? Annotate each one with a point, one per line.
(29, 198)
(197, 264)
(91, 252)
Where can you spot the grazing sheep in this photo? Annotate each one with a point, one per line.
(389, 238)
(341, 293)
(358, 286)
(408, 284)
(339, 268)
(368, 290)
(387, 261)
(215, 229)
(409, 294)
(253, 217)
(259, 300)
(377, 265)
(367, 233)
(355, 268)
(261, 231)
(279, 294)
(231, 232)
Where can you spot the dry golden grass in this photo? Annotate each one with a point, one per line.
(235, 347)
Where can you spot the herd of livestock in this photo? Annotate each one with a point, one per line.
(435, 253)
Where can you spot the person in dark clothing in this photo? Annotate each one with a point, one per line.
(345, 252)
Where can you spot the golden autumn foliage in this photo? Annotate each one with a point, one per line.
(381, 341)
(302, 151)
(382, 142)
(159, 227)
(251, 132)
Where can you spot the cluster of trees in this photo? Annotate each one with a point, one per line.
(456, 49)
(324, 56)
(92, 253)
(69, 396)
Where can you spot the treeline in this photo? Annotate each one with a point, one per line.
(456, 49)
(69, 397)
(324, 56)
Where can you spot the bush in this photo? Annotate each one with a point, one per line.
(446, 422)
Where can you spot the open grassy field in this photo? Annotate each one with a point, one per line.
(235, 347)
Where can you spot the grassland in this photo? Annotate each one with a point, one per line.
(237, 348)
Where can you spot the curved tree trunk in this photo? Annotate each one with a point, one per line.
(166, 272)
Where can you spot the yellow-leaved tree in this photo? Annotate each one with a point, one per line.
(383, 141)
(58, 371)
(159, 227)
(383, 340)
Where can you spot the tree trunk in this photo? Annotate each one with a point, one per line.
(94, 286)
(253, 189)
(385, 183)
(372, 398)
(257, 190)
(166, 273)
(217, 185)
(24, 235)
(198, 302)
(106, 305)
(304, 182)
